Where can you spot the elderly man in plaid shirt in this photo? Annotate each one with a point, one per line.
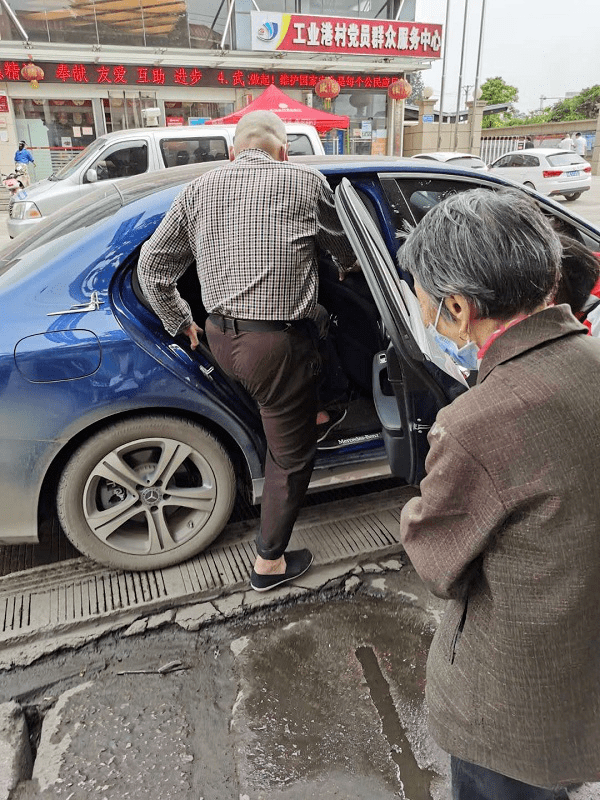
(253, 227)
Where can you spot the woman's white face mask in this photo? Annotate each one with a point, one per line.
(465, 357)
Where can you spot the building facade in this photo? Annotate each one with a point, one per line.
(72, 70)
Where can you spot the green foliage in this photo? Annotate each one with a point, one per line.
(496, 90)
(583, 106)
(494, 121)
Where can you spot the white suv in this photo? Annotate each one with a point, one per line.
(550, 171)
(133, 152)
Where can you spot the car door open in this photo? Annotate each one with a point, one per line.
(409, 388)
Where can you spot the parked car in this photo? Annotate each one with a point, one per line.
(550, 171)
(137, 151)
(456, 160)
(140, 443)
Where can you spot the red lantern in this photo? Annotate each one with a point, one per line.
(400, 89)
(328, 89)
(32, 73)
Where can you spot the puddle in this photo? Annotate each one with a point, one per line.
(333, 704)
(415, 782)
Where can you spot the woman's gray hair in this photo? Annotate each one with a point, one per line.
(496, 248)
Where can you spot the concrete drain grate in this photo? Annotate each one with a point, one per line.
(59, 596)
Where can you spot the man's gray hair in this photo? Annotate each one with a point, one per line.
(496, 248)
(261, 129)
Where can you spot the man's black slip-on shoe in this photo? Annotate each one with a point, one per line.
(325, 428)
(296, 564)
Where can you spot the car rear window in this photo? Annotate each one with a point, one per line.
(564, 159)
(472, 163)
(300, 145)
(177, 151)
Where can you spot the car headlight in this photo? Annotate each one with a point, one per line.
(25, 210)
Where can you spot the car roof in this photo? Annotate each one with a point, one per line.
(170, 181)
(544, 151)
(187, 130)
(148, 183)
(446, 156)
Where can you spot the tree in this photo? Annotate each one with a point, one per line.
(416, 81)
(583, 106)
(496, 90)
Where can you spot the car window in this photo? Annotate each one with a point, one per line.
(122, 161)
(465, 161)
(72, 166)
(517, 160)
(411, 199)
(300, 145)
(176, 150)
(564, 159)
(502, 162)
(531, 161)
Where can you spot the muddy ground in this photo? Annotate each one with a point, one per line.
(318, 699)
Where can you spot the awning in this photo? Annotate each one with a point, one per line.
(290, 110)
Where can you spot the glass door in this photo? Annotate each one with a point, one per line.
(123, 110)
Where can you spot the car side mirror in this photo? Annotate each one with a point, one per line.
(91, 176)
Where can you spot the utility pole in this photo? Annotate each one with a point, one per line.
(460, 75)
(441, 114)
(477, 72)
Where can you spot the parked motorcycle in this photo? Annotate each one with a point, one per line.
(15, 181)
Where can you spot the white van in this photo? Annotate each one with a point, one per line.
(132, 152)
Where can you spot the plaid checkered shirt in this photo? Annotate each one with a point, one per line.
(253, 227)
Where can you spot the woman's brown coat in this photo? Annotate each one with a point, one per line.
(508, 528)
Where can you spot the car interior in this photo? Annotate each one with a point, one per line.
(355, 331)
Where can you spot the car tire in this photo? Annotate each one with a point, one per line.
(529, 185)
(570, 196)
(146, 493)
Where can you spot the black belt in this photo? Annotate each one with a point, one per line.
(254, 325)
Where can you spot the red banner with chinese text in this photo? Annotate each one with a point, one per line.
(276, 31)
(121, 75)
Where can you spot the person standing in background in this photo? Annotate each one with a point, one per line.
(22, 158)
(567, 143)
(580, 145)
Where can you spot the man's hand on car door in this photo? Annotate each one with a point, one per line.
(194, 333)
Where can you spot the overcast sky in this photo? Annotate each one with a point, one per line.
(543, 47)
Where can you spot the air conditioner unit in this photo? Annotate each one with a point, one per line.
(151, 116)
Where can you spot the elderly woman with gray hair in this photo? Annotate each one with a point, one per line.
(507, 526)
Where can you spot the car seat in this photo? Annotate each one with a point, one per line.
(355, 322)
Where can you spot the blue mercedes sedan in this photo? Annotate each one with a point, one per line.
(140, 444)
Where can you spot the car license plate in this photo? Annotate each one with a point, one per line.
(574, 174)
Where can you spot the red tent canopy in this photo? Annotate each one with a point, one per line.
(273, 99)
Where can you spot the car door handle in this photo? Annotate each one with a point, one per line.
(82, 308)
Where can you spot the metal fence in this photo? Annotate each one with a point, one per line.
(495, 146)
(492, 147)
